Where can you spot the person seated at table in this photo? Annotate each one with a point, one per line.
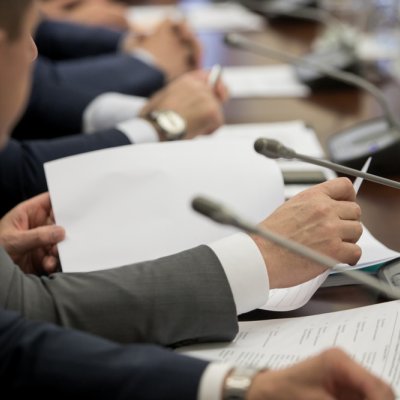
(130, 303)
(83, 69)
(190, 97)
(125, 296)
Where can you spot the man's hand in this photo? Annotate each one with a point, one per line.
(29, 235)
(331, 375)
(324, 218)
(173, 45)
(194, 100)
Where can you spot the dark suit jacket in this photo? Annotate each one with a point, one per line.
(21, 163)
(60, 40)
(62, 89)
(48, 362)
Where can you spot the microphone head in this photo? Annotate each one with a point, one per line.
(273, 149)
(212, 210)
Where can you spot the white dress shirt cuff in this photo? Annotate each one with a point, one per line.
(212, 381)
(109, 109)
(144, 56)
(245, 270)
(139, 131)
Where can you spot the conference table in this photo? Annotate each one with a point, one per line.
(327, 111)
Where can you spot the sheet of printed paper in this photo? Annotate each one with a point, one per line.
(371, 335)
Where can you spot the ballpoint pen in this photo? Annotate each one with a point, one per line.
(358, 181)
(214, 75)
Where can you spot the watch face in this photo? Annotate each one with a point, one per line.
(171, 122)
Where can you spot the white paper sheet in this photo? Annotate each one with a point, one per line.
(373, 252)
(294, 134)
(218, 17)
(263, 81)
(369, 334)
(132, 203)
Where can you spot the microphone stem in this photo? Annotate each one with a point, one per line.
(331, 263)
(352, 79)
(348, 171)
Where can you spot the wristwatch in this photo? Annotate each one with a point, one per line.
(238, 381)
(171, 125)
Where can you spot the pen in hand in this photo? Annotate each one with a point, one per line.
(214, 75)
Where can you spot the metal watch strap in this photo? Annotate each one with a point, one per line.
(168, 135)
(238, 382)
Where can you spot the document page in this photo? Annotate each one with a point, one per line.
(133, 203)
(263, 81)
(294, 134)
(371, 335)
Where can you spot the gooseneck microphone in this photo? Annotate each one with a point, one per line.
(223, 215)
(272, 148)
(239, 41)
(377, 138)
(299, 10)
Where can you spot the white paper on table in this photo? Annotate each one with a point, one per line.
(373, 252)
(218, 17)
(294, 134)
(263, 81)
(369, 334)
(132, 203)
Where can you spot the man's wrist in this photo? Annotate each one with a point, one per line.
(169, 124)
(160, 133)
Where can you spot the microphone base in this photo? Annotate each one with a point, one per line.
(341, 58)
(373, 138)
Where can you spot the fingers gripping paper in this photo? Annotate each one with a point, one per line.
(132, 203)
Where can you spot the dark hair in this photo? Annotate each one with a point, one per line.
(12, 13)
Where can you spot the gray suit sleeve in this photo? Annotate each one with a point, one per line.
(175, 300)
